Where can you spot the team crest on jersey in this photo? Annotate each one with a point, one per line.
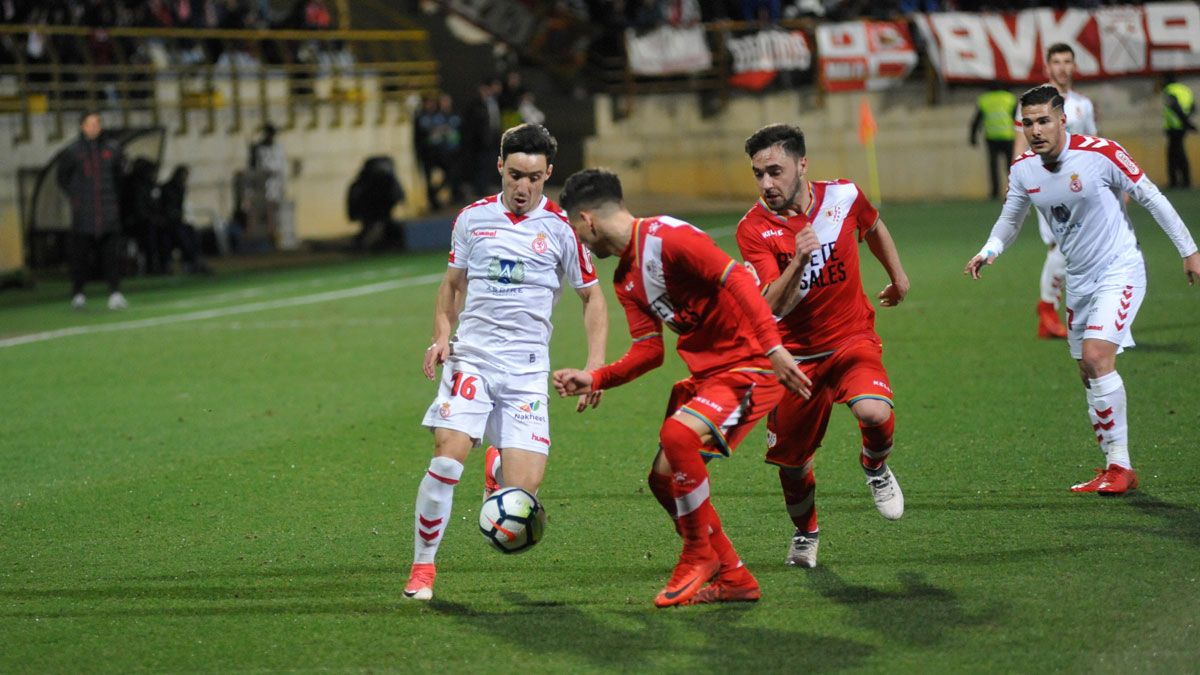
(506, 271)
(539, 243)
(1076, 184)
(444, 411)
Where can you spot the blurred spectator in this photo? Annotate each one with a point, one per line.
(423, 144)
(268, 157)
(89, 173)
(509, 99)
(438, 136)
(529, 112)
(1178, 105)
(142, 217)
(181, 234)
(370, 200)
(481, 139)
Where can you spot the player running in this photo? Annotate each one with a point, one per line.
(509, 255)
(1075, 182)
(1081, 119)
(670, 272)
(825, 318)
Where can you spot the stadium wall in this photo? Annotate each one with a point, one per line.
(664, 145)
(325, 159)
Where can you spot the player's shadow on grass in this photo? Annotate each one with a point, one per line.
(918, 613)
(1178, 521)
(684, 638)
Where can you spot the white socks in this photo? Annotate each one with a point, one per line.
(1054, 270)
(1106, 408)
(434, 499)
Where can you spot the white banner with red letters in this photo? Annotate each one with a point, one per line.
(668, 51)
(1108, 42)
(758, 57)
(861, 55)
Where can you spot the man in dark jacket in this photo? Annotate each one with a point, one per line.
(89, 172)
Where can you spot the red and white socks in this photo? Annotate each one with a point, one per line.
(435, 496)
(1106, 409)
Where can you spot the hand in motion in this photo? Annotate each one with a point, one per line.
(893, 293)
(807, 243)
(591, 399)
(574, 382)
(1191, 267)
(435, 356)
(789, 373)
(975, 265)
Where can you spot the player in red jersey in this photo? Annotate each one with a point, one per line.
(670, 272)
(825, 318)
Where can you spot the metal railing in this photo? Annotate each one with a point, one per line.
(132, 69)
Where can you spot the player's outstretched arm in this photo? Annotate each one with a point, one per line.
(975, 265)
(883, 247)
(450, 295)
(595, 323)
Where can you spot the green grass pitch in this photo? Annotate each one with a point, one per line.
(234, 492)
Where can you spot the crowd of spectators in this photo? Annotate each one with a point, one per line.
(99, 15)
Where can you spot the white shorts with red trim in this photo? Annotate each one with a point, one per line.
(1105, 314)
(510, 410)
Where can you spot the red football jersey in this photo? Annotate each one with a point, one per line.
(831, 306)
(673, 273)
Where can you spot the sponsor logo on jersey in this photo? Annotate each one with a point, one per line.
(539, 243)
(629, 285)
(882, 385)
(1076, 184)
(506, 271)
(772, 439)
(1061, 213)
(483, 233)
(540, 439)
(444, 411)
(1127, 162)
(767, 234)
(530, 407)
(655, 268)
(1093, 327)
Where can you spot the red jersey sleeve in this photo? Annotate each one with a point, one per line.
(755, 251)
(863, 214)
(716, 269)
(644, 354)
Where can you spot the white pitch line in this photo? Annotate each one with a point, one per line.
(219, 312)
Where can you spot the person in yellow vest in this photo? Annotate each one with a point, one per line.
(994, 110)
(1178, 106)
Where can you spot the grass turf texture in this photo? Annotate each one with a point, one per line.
(235, 493)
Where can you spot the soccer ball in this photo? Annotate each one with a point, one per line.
(512, 520)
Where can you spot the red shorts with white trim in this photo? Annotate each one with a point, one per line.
(852, 373)
(729, 403)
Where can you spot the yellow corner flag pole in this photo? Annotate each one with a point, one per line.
(866, 136)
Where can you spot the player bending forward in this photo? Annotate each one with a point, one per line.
(670, 272)
(509, 255)
(1075, 182)
(826, 320)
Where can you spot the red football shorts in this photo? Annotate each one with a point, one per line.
(730, 403)
(854, 372)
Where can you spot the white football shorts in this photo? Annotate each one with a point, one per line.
(1106, 314)
(510, 410)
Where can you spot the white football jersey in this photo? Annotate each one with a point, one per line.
(515, 265)
(1081, 114)
(1079, 195)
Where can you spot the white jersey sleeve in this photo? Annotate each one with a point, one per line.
(1131, 179)
(460, 240)
(1012, 214)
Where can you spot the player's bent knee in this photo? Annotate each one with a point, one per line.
(871, 412)
(451, 443)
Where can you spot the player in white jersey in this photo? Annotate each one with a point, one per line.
(1076, 182)
(509, 255)
(1081, 119)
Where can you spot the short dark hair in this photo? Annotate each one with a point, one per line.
(589, 189)
(787, 135)
(531, 139)
(1059, 48)
(88, 113)
(1042, 94)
